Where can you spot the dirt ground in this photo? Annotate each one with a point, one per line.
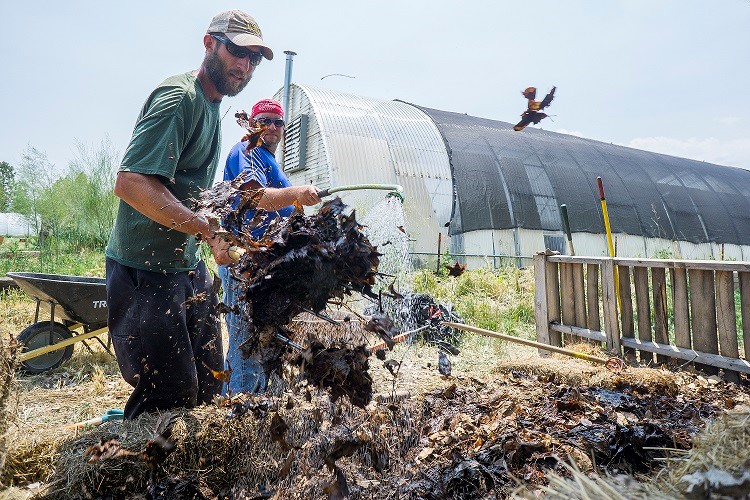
(45, 405)
(503, 419)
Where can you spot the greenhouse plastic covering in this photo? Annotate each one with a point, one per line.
(504, 179)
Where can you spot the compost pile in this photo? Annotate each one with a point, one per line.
(464, 439)
(299, 265)
(476, 438)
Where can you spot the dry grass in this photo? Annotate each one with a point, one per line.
(721, 446)
(8, 365)
(577, 485)
(85, 387)
(239, 453)
(571, 371)
(12, 306)
(42, 405)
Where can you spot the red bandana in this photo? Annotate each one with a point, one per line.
(267, 106)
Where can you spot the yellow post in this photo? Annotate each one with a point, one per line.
(611, 246)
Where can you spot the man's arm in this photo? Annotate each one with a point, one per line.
(277, 198)
(149, 196)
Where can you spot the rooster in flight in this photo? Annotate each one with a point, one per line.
(533, 113)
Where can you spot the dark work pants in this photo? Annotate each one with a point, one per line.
(165, 332)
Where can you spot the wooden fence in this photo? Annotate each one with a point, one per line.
(639, 310)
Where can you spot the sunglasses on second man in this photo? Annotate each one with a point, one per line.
(238, 51)
(266, 122)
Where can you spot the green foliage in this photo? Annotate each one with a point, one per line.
(34, 175)
(664, 254)
(24, 254)
(76, 208)
(7, 184)
(500, 300)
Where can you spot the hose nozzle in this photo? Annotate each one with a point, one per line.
(397, 195)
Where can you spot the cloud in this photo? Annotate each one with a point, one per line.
(731, 152)
(729, 120)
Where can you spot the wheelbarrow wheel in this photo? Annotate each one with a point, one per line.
(38, 335)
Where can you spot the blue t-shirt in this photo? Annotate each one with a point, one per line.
(261, 166)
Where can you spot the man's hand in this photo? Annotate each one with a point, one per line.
(307, 194)
(220, 248)
(276, 198)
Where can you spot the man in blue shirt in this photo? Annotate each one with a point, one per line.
(261, 171)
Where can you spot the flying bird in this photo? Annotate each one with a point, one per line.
(533, 113)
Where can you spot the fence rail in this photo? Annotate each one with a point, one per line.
(683, 310)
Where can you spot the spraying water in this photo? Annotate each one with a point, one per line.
(385, 227)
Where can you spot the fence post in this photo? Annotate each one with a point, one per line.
(609, 299)
(592, 296)
(540, 301)
(626, 312)
(726, 318)
(643, 308)
(661, 322)
(567, 299)
(745, 310)
(681, 308)
(703, 314)
(552, 282)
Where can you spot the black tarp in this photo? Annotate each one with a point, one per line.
(504, 179)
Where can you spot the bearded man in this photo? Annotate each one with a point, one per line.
(162, 317)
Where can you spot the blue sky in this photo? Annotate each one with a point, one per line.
(666, 76)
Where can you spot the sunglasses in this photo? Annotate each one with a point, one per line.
(240, 52)
(266, 122)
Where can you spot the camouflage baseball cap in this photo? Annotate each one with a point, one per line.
(240, 29)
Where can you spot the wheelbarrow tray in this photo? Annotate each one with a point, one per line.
(77, 299)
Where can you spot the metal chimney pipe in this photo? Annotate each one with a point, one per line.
(287, 80)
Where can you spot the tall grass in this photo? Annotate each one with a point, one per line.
(500, 300)
(62, 257)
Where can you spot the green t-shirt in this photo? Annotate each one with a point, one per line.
(178, 138)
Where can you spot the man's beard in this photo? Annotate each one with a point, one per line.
(217, 73)
(270, 144)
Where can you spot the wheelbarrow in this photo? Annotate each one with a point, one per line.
(78, 312)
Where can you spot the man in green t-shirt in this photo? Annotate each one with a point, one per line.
(162, 308)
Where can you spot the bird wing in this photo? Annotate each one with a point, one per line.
(548, 99)
(525, 120)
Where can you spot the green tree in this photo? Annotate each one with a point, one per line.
(34, 176)
(89, 182)
(7, 182)
(74, 209)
